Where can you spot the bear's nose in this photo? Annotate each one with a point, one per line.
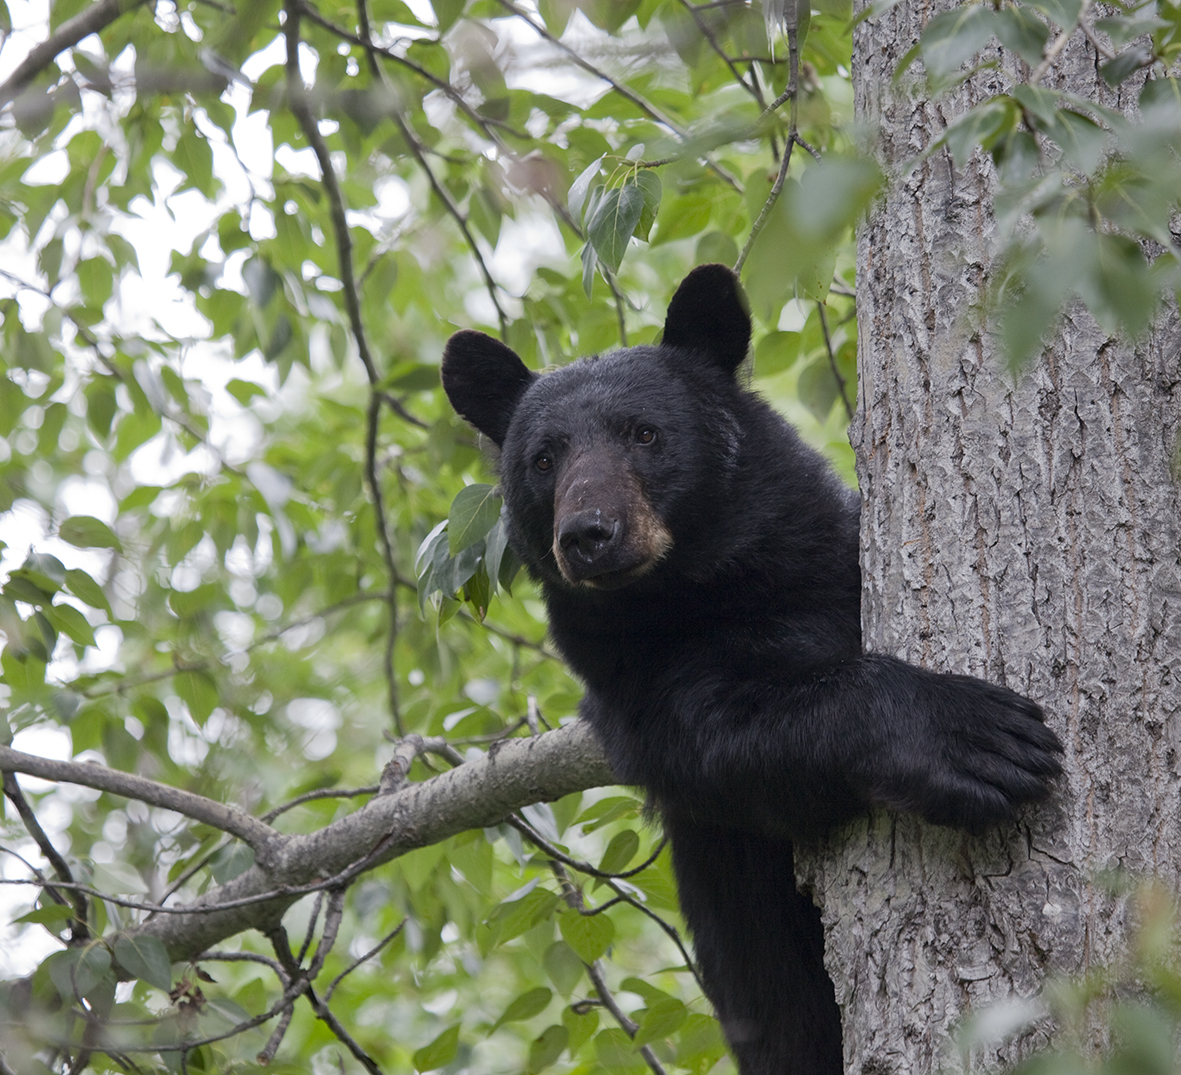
(587, 533)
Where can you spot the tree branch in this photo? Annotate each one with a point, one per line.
(90, 775)
(751, 87)
(95, 18)
(297, 96)
(475, 795)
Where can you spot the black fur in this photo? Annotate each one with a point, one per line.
(700, 567)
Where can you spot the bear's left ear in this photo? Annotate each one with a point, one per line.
(485, 381)
(709, 313)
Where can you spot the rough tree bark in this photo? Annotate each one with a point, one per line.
(1022, 528)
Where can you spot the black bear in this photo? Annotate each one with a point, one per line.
(700, 568)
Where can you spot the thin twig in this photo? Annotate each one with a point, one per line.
(457, 214)
(1058, 44)
(768, 205)
(612, 881)
(387, 552)
(127, 683)
(300, 107)
(527, 830)
(650, 110)
(278, 939)
(310, 932)
(751, 87)
(364, 958)
(672, 933)
(321, 793)
(79, 931)
(333, 916)
(832, 361)
(239, 957)
(619, 301)
(297, 98)
(594, 971)
(791, 93)
(267, 1053)
(366, 42)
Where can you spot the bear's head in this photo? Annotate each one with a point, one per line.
(612, 464)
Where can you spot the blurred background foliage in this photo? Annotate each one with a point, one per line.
(245, 542)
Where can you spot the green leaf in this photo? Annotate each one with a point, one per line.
(1160, 93)
(955, 36)
(564, 968)
(1020, 31)
(188, 603)
(589, 935)
(68, 620)
(620, 851)
(87, 532)
(495, 547)
(580, 1025)
(614, 220)
(12, 404)
(79, 972)
(24, 673)
(53, 915)
(526, 1006)
(45, 571)
(682, 216)
(440, 1052)
(95, 279)
(199, 692)
(588, 269)
(231, 862)
(244, 391)
(580, 188)
(1063, 12)
(474, 512)
(1126, 64)
(661, 1019)
(101, 405)
(617, 1053)
(82, 586)
(194, 158)
(145, 958)
(776, 352)
(649, 183)
(981, 126)
(514, 917)
(1081, 138)
(818, 388)
(546, 1048)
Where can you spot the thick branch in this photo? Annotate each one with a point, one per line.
(95, 18)
(475, 795)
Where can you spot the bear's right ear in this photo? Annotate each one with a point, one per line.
(485, 381)
(709, 314)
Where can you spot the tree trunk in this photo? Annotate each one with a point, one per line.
(1022, 528)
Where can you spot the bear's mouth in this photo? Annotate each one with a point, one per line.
(615, 580)
(613, 569)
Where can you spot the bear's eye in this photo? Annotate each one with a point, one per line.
(645, 435)
(544, 461)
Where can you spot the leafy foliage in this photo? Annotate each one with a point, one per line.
(248, 545)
